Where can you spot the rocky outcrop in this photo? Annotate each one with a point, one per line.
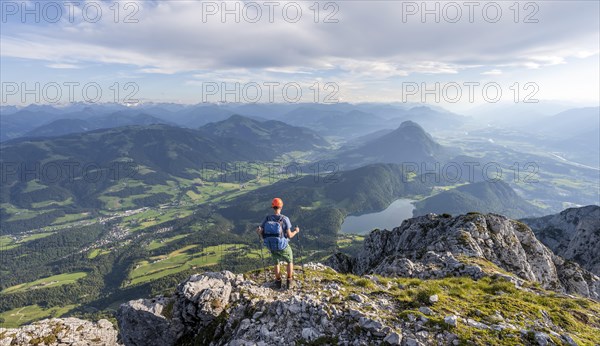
(435, 246)
(340, 262)
(226, 309)
(63, 332)
(161, 321)
(330, 308)
(148, 323)
(573, 234)
(253, 313)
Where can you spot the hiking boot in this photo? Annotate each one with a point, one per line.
(290, 283)
(278, 284)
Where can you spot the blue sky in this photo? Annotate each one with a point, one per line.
(370, 50)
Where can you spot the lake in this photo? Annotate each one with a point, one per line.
(392, 216)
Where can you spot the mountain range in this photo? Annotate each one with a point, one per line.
(574, 134)
(85, 165)
(571, 134)
(342, 120)
(160, 152)
(67, 126)
(161, 149)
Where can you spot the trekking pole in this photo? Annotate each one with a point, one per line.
(260, 245)
(301, 253)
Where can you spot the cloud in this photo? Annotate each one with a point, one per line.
(289, 70)
(434, 67)
(582, 54)
(548, 60)
(63, 66)
(370, 38)
(493, 72)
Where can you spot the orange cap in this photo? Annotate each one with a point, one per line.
(277, 202)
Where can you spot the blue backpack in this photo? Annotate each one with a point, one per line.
(273, 236)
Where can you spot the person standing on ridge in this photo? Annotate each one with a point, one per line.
(276, 231)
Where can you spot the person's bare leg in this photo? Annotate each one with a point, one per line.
(290, 270)
(277, 272)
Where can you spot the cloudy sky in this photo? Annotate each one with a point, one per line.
(353, 51)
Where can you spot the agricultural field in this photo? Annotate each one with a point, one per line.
(350, 244)
(97, 252)
(51, 281)
(153, 217)
(50, 203)
(156, 244)
(33, 185)
(182, 259)
(17, 213)
(19, 316)
(9, 242)
(346, 240)
(70, 218)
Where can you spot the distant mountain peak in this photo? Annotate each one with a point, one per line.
(238, 117)
(410, 129)
(408, 143)
(271, 134)
(419, 108)
(410, 123)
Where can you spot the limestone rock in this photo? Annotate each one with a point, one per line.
(62, 331)
(431, 246)
(573, 234)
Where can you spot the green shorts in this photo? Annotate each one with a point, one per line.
(284, 255)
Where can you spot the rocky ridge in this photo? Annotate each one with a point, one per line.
(573, 234)
(434, 246)
(344, 309)
(330, 308)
